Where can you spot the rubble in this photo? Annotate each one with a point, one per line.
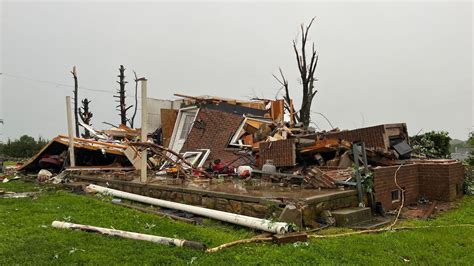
(44, 175)
(206, 138)
(214, 136)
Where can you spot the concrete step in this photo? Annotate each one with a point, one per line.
(350, 216)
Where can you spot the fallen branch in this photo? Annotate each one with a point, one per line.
(388, 228)
(242, 241)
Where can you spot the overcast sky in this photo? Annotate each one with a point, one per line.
(379, 62)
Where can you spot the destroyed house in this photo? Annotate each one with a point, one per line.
(259, 160)
(211, 126)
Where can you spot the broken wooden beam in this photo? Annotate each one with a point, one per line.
(290, 237)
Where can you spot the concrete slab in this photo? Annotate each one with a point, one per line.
(255, 198)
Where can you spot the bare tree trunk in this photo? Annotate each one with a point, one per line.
(121, 95)
(86, 117)
(136, 100)
(76, 87)
(289, 105)
(307, 72)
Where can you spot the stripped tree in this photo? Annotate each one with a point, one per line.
(288, 101)
(136, 100)
(122, 108)
(86, 116)
(306, 66)
(76, 87)
(307, 72)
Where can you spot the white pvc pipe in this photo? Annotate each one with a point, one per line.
(131, 235)
(247, 221)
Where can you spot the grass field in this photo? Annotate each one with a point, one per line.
(26, 237)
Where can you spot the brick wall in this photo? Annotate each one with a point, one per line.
(282, 152)
(213, 130)
(431, 179)
(456, 171)
(384, 184)
(372, 136)
(441, 181)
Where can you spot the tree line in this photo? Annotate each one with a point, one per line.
(24, 147)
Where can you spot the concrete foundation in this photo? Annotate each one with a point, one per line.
(256, 200)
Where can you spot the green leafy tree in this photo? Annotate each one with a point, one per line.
(470, 142)
(434, 144)
(24, 147)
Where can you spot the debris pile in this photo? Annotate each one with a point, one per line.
(217, 137)
(225, 137)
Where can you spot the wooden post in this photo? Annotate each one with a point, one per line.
(70, 131)
(143, 171)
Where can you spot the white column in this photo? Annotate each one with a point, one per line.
(143, 171)
(70, 132)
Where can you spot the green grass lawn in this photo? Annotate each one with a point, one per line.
(9, 163)
(26, 237)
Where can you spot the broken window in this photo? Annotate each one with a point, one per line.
(396, 196)
(243, 137)
(188, 121)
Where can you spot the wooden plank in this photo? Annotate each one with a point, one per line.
(290, 237)
(278, 110)
(112, 145)
(326, 145)
(168, 119)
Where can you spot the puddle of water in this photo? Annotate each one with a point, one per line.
(254, 187)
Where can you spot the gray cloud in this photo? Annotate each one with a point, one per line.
(379, 63)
